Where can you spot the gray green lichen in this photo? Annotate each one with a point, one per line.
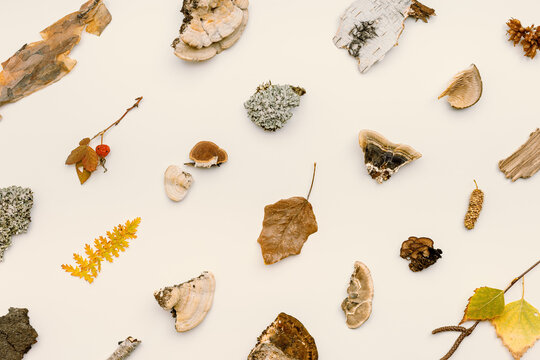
(270, 107)
(15, 205)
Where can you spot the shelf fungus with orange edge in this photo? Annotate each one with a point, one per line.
(206, 154)
(285, 339)
(189, 301)
(209, 27)
(382, 157)
(177, 183)
(371, 28)
(465, 88)
(357, 305)
(420, 251)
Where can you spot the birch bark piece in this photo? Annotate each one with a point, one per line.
(124, 349)
(370, 28)
(357, 305)
(209, 27)
(465, 88)
(525, 162)
(39, 64)
(189, 301)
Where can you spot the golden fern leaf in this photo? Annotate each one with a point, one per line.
(105, 249)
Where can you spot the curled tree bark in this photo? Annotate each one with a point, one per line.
(468, 331)
(125, 348)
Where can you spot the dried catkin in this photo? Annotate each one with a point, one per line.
(475, 206)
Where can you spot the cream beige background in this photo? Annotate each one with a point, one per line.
(216, 227)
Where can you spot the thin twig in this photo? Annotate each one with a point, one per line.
(312, 180)
(138, 100)
(466, 332)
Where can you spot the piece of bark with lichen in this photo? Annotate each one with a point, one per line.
(525, 162)
(39, 64)
(16, 334)
(124, 349)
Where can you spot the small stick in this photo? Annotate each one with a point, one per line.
(125, 348)
(118, 121)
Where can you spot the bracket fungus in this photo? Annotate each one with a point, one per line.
(271, 105)
(285, 339)
(420, 252)
(16, 334)
(465, 88)
(15, 206)
(382, 157)
(525, 161)
(209, 27)
(177, 182)
(357, 305)
(189, 301)
(370, 28)
(206, 154)
(41, 63)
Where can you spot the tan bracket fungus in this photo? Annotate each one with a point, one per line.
(177, 183)
(189, 301)
(357, 305)
(209, 27)
(370, 28)
(465, 88)
(525, 161)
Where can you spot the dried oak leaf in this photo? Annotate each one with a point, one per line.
(286, 226)
(518, 327)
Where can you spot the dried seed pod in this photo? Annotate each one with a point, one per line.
(420, 252)
(475, 206)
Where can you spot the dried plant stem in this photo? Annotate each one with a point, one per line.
(101, 133)
(312, 180)
(125, 348)
(468, 331)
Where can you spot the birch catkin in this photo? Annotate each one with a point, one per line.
(475, 206)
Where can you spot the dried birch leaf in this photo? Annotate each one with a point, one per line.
(525, 162)
(286, 227)
(485, 304)
(518, 327)
(39, 64)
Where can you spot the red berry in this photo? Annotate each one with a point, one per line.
(103, 150)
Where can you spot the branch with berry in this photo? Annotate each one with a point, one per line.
(86, 159)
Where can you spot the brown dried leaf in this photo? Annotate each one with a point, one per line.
(84, 141)
(82, 173)
(286, 226)
(76, 155)
(90, 161)
(41, 63)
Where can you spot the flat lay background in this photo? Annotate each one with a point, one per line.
(216, 227)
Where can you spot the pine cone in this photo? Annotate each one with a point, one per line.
(531, 41)
(516, 31)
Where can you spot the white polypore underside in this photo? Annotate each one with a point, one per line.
(388, 17)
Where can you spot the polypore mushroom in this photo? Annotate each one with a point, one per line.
(357, 305)
(370, 28)
(382, 157)
(465, 88)
(177, 182)
(285, 339)
(209, 27)
(206, 154)
(189, 301)
(420, 252)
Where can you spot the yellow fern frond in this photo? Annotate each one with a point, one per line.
(105, 249)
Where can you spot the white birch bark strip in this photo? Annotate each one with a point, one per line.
(525, 162)
(125, 348)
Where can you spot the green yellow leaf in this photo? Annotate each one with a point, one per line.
(485, 304)
(518, 327)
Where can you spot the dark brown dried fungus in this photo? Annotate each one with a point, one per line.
(420, 252)
(16, 334)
